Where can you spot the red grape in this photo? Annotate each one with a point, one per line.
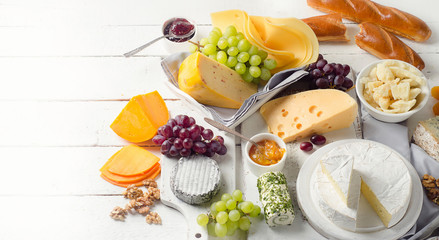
(184, 133)
(194, 131)
(321, 63)
(207, 134)
(339, 79)
(322, 83)
(171, 122)
(209, 153)
(184, 152)
(319, 57)
(348, 83)
(223, 150)
(215, 146)
(219, 139)
(306, 146)
(339, 70)
(158, 139)
(167, 131)
(188, 143)
(176, 130)
(173, 151)
(199, 147)
(318, 139)
(166, 145)
(191, 121)
(346, 70)
(178, 143)
(328, 68)
(316, 73)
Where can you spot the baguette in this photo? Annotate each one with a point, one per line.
(328, 27)
(391, 19)
(385, 45)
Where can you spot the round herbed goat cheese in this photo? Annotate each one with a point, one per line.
(275, 199)
(195, 179)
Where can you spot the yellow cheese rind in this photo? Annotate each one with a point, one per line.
(289, 41)
(315, 111)
(212, 83)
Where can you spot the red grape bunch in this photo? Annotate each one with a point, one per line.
(180, 136)
(329, 75)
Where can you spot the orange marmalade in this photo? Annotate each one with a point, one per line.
(268, 153)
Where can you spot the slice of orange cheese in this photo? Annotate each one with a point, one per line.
(289, 41)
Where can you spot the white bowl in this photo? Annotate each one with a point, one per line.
(258, 169)
(421, 99)
(174, 47)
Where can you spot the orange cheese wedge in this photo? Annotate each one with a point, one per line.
(141, 117)
(132, 160)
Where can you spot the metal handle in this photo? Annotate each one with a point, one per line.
(132, 52)
(229, 130)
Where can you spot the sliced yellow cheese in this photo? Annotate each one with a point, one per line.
(212, 83)
(289, 41)
(302, 114)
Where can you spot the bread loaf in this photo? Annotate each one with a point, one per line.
(385, 45)
(426, 136)
(391, 19)
(328, 27)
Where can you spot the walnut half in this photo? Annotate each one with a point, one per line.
(118, 213)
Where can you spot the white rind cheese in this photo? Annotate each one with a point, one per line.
(385, 183)
(346, 181)
(195, 179)
(331, 205)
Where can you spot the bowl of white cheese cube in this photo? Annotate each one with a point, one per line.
(392, 90)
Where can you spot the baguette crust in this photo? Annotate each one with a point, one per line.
(391, 19)
(385, 45)
(328, 27)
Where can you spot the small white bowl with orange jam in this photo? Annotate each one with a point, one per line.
(268, 157)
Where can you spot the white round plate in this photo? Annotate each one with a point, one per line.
(325, 227)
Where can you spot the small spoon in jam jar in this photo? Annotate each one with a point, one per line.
(178, 30)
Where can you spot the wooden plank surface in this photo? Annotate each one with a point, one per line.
(63, 80)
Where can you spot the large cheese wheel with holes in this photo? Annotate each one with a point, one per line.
(302, 114)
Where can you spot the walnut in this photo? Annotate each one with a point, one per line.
(154, 193)
(437, 182)
(428, 181)
(153, 217)
(150, 183)
(118, 213)
(132, 192)
(433, 194)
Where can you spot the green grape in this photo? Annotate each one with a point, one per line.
(253, 50)
(270, 64)
(243, 57)
(221, 57)
(234, 215)
(204, 41)
(213, 56)
(230, 31)
(237, 195)
(217, 30)
(247, 207)
(220, 229)
(265, 74)
(220, 206)
(255, 60)
(240, 68)
(211, 229)
(231, 62)
(233, 41)
(256, 211)
(240, 204)
(231, 227)
(213, 213)
(213, 37)
(240, 36)
(254, 71)
(226, 196)
(248, 78)
(244, 45)
(244, 223)
(193, 48)
(222, 43)
(231, 204)
(212, 207)
(263, 54)
(202, 219)
(222, 217)
(256, 80)
(232, 51)
(209, 49)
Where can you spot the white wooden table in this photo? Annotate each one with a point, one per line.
(63, 80)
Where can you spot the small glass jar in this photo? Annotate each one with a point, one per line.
(180, 44)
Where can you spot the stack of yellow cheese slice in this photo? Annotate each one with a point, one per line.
(289, 41)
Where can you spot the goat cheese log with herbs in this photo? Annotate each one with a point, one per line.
(275, 199)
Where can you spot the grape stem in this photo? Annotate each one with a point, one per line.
(197, 44)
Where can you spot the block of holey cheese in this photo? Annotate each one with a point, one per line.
(426, 136)
(302, 114)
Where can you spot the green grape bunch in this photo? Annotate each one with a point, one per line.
(233, 50)
(229, 214)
